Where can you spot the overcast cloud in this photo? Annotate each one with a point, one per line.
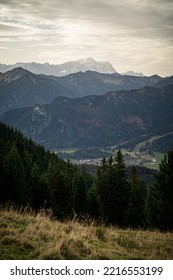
(131, 34)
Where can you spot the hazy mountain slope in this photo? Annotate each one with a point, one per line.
(63, 69)
(21, 88)
(164, 82)
(94, 83)
(112, 119)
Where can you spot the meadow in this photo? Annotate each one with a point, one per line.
(27, 235)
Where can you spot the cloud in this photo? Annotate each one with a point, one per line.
(109, 30)
(134, 15)
(3, 48)
(139, 18)
(10, 28)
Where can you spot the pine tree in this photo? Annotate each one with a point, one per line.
(122, 188)
(135, 215)
(113, 189)
(93, 201)
(79, 189)
(162, 195)
(14, 188)
(60, 190)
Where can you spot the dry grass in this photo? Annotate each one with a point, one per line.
(30, 236)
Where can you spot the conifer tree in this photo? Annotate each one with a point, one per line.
(41, 193)
(135, 215)
(79, 189)
(14, 188)
(162, 195)
(113, 189)
(122, 188)
(93, 201)
(61, 192)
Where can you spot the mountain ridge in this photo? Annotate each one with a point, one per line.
(94, 121)
(64, 68)
(22, 88)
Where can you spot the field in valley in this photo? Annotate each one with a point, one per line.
(94, 156)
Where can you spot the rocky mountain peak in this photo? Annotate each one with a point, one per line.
(64, 68)
(13, 74)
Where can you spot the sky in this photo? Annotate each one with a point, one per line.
(131, 34)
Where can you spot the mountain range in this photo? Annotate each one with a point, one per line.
(89, 109)
(118, 118)
(62, 69)
(21, 88)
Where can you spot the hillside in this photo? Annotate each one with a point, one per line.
(94, 83)
(122, 119)
(37, 179)
(30, 236)
(22, 88)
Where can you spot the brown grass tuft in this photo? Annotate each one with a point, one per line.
(27, 235)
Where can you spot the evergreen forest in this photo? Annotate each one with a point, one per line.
(33, 177)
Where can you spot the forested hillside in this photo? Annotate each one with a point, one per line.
(122, 119)
(32, 177)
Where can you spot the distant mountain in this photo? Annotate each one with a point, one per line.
(62, 69)
(116, 118)
(94, 83)
(21, 88)
(164, 82)
(132, 73)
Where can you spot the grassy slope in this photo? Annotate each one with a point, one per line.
(29, 236)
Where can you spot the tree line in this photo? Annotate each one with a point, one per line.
(32, 177)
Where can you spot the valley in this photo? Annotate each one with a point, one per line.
(94, 157)
(90, 115)
(140, 155)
